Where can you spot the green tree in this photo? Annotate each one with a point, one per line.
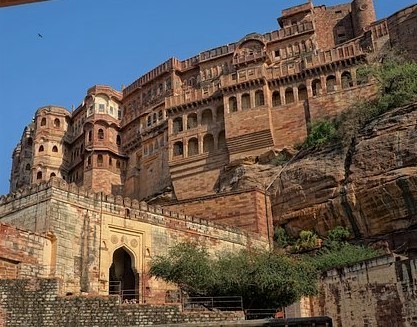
(262, 278)
(187, 265)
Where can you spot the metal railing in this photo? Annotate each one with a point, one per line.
(225, 303)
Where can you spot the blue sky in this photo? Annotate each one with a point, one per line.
(112, 42)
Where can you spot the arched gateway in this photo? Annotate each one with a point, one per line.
(123, 277)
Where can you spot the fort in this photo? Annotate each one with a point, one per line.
(98, 191)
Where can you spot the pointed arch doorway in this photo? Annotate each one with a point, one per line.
(123, 277)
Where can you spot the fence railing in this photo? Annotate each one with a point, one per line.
(226, 303)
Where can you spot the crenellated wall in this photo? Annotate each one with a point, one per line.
(89, 227)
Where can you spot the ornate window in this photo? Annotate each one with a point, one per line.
(331, 83)
(302, 92)
(316, 87)
(276, 99)
(245, 101)
(289, 95)
(192, 147)
(100, 160)
(178, 149)
(57, 123)
(232, 104)
(259, 98)
(100, 134)
(177, 125)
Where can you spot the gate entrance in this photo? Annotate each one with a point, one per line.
(123, 280)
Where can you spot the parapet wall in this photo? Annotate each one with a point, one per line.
(36, 302)
(116, 205)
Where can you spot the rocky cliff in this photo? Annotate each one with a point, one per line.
(370, 187)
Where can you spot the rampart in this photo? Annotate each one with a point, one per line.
(89, 227)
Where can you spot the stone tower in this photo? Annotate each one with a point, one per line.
(363, 15)
(22, 164)
(49, 152)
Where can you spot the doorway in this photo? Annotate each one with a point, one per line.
(123, 279)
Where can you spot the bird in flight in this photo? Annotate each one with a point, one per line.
(40, 35)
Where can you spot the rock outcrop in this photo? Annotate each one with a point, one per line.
(370, 187)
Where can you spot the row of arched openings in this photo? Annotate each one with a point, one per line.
(289, 95)
(39, 175)
(193, 147)
(57, 122)
(192, 119)
(42, 148)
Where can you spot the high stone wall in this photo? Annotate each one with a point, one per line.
(90, 227)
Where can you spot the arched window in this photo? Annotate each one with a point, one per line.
(221, 140)
(259, 98)
(160, 114)
(149, 121)
(43, 121)
(54, 148)
(245, 101)
(276, 99)
(208, 143)
(192, 146)
(192, 121)
(347, 81)
(100, 160)
(39, 175)
(178, 149)
(90, 136)
(52, 175)
(100, 134)
(118, 164)
(118, 140)
(330, 83)
(57, 123)
(206, 117)
(27, 167)
(29, 141)
(302, 92)
(41, 149)
(110, 161)
(154, 118)
(220, 113)
(177, 125)
(232, 104)
(289, 95)
(316, 87)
